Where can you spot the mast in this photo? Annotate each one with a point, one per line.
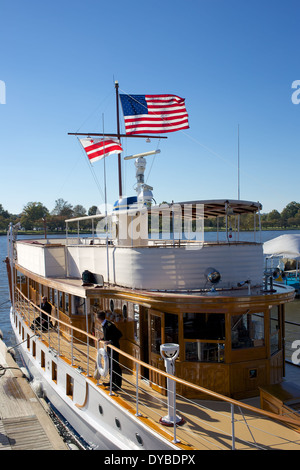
(118, 133)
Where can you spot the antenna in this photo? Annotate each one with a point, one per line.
(144, 191)
(153, 152)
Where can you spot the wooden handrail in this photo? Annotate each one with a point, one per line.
(54, 318)
(211, 393)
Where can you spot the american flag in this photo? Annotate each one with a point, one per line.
(154, 113)
(100, 148)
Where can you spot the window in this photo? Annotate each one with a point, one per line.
(171, 328)
(136, 325)
(43, 362)
(204, 326)
(79, 305)
(33, 348)
(54, 371)
(60, 300)
(51, 297)
(156, 339)
(204, 335)
(69, 386)
(66, 303)
(274, 329)
(204, 352)
(247, 330)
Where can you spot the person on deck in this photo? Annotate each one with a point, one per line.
(112, 336)
(43, 320)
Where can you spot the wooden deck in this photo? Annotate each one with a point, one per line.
(24, 423)
(208, 424)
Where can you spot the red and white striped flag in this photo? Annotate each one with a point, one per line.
(96, 149)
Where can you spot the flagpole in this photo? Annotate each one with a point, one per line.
(105, 202)
(118, 132)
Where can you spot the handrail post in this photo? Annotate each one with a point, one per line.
(137, 390)
(48, 329)
(87, 356)
(87, 338)
(111, 371)
(98, 374)
(174, 414)
(72, 362)
(58, 323)
(232, 426)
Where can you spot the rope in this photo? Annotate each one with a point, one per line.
(4, 369)
(93, 112)
(92, 170)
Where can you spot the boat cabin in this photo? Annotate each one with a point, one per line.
(206, 294)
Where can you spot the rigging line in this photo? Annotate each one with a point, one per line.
(187, 135)
(208, 149)
(254, 179)
(153, 160)
(68, 175)
(92, 170)
(95, 110)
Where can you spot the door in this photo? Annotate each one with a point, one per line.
(156, 338)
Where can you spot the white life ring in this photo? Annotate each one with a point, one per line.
(102, 357)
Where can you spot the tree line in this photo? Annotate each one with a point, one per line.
(288, 218)
(35, 216)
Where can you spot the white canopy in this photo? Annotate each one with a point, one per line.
(287, 246)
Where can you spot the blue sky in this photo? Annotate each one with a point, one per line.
(234, 62)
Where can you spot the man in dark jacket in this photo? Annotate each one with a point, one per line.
(43, 320)
(112, 336)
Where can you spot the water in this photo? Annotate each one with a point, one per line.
(8, 336)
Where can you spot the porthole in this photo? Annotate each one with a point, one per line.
(118, 424)
(139, 439)
(100, 409)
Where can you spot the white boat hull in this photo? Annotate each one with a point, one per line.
(114, 429)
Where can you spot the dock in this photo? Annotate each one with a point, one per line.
(24, 421)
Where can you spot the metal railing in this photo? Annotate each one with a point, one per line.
(220, 426)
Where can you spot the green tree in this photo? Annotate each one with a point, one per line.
(33, 215)
(3, 213)
(273, 219)
(93, 210)
(79, 211)
(289, 211)
(63, 208)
